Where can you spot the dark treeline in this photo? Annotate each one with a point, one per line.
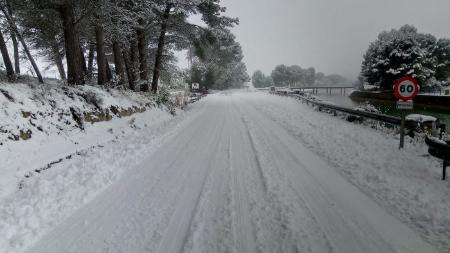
(130, 43)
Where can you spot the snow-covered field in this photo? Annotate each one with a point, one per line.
(236, 172)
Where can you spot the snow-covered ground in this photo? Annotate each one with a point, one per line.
(38, 127)
(66, 169)
(237, 172)
(405, 182)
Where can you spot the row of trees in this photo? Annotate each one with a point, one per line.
(294, 75)
(138, 36)
(406, 52)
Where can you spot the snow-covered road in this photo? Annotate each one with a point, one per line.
(232, 180)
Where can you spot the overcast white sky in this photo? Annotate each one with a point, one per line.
(330, 35)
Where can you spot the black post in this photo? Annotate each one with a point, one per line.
(444, 170)
(402, 130)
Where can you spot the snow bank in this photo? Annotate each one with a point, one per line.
(103, 153)
(367, 108)
(406, 182)
(42, 123)
(420, 118)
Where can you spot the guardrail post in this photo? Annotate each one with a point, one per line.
(402, 130)
(442, 130)
(444, 170)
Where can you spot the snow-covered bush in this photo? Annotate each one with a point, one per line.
(92, 98)
(163, 96)
(406, 52)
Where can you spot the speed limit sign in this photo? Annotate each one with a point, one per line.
(406, 88)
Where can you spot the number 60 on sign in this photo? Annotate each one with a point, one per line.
(406, 88)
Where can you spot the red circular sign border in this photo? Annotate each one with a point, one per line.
(401, 80)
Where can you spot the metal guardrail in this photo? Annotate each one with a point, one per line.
(441, 150)
(321, 87)
(375, 116)
(307, 87)
(411, 125)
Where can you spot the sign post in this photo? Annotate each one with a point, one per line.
(405, 89)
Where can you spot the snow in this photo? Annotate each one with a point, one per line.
(49, 197)
(406, 182)
(369, 86)
(237, 172)
(420, 118)
(45, 111)
(437, 140)
(433, 94)
(367, 108)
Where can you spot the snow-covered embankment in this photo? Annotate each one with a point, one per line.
(60, 146)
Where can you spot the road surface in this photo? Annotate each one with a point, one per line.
(232, 180)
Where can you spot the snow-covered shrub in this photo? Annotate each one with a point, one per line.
(92, 98)
(163, 96)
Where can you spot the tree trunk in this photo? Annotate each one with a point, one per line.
(24, 45)
(134, 59)
(15, 43)
(142, 47)
(118, 63)
(58, 60)
(109, 75)
(101, 59)
(90, 68)
(71, 44)
(16, 53)
(160, 50)
(6, 59)
(129, 70)
(83, 61)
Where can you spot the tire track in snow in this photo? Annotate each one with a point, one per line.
(244, 228)
(210, 230)
(155, 191)
(176, 233)
(287, 216)
(274, 215)
(223, 221)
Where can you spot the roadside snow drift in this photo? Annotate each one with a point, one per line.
(42, 123)
(65, 163)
